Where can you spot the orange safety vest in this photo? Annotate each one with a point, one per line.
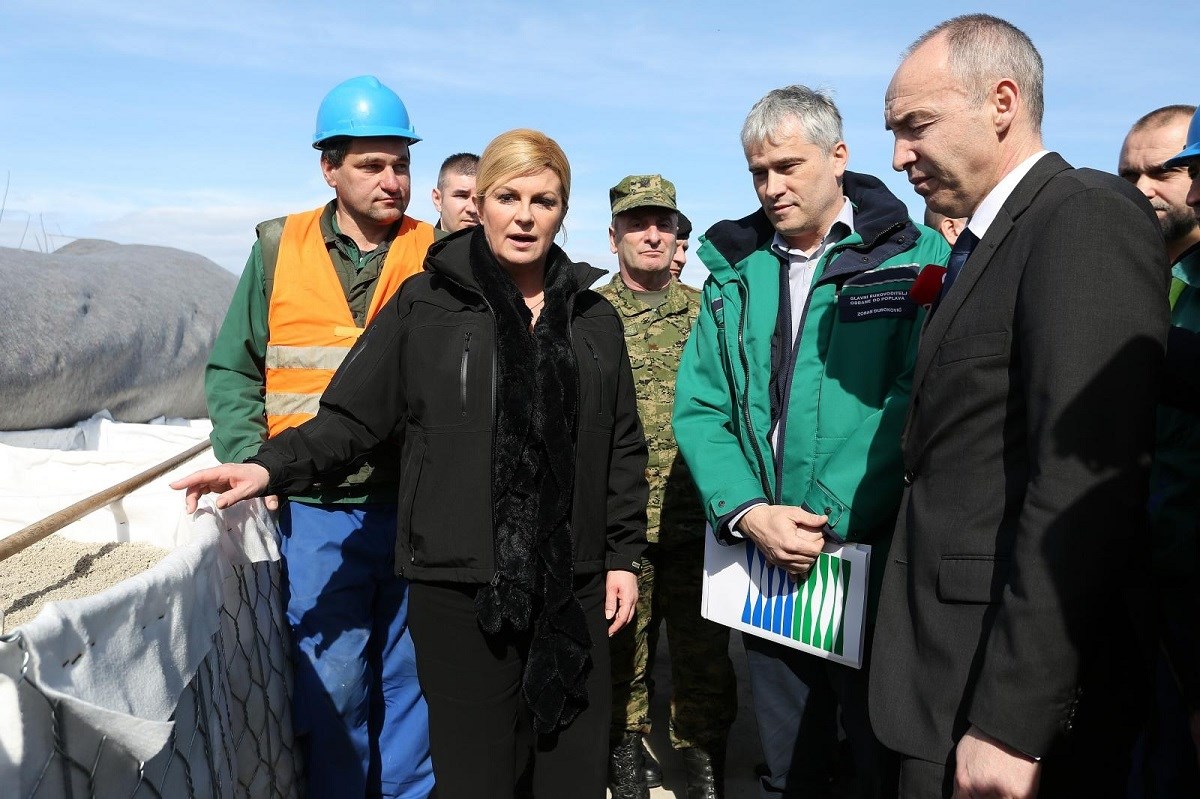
(310, 326)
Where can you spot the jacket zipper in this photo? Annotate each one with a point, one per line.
(762, 464)
(790, 364)
(571, 339)
(462, 373)
(495, 339)
(599, 375)
(492, 437)
(788, 368)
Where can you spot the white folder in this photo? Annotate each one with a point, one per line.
(823, 613)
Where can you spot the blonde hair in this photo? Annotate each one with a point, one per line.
(517, 153)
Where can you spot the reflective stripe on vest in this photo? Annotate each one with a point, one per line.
(310, 326)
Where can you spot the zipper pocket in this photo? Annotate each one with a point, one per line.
(462, 373)
(599, 375)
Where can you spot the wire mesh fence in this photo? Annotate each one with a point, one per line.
(232, 730)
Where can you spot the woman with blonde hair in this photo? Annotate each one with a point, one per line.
(505, 384)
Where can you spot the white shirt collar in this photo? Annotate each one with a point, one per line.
(845, 216)
(985, 214)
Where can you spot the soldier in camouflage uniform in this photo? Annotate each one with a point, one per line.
(681, 247)
(658, 313)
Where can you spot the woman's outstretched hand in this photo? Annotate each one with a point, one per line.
(234, 481)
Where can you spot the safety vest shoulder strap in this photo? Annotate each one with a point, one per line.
(1177, 287)
(310, 325)
(269, 234)
(420, 236)
(405, 258)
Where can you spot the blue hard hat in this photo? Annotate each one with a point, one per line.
(1192, 149)
(361, 107)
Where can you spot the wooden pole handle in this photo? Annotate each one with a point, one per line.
(35, 532)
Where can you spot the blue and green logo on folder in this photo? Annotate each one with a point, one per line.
(811, 611)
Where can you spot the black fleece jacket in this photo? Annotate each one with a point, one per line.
(422, 378)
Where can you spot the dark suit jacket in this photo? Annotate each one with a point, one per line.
(1019, 544)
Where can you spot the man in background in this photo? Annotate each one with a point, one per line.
(679, 259)
(1151, 142)
(454, 195)
(950, 227)
(1169, 749)
(658, 313)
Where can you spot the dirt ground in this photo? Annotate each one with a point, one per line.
(56, 568)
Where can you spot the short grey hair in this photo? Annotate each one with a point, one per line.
(984, 49)
(812, 110)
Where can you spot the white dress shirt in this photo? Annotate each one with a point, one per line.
(802, 268)
(985, 214)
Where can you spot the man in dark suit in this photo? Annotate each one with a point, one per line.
(1007, 651)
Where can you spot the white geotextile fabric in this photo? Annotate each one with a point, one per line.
(116, 662)
(44, 471)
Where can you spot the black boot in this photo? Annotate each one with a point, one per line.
(652, 770)
(626, 768)
(705, 770)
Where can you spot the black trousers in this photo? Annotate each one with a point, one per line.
(797, 699)
(480, 732)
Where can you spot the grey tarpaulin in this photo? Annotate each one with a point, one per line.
(96, 325)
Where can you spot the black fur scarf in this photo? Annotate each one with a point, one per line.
(533, 480)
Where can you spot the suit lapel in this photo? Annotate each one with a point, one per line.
(1018, 201)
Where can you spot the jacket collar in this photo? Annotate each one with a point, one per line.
(1190, 256)
(882, 229)
(451, 256)
(334, 237)
(628, 305)
(1014, 207)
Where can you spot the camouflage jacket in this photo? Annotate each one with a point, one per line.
(655, 339)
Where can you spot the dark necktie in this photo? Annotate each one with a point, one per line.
(959, 254)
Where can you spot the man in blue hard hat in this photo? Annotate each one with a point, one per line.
(1151, 142)
(1190, 157)
(1172, 750)
(313, 282)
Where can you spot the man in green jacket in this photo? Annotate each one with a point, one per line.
(658, 313)
(790, 400)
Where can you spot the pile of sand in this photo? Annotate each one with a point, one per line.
(57, 568)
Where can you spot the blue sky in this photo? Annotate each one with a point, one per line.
(184, 124)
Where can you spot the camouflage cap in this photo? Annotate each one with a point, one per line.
(637, 191)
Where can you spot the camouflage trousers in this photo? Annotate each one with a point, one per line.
(704, 690)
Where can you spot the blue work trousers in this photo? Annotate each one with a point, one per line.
(359, 715)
